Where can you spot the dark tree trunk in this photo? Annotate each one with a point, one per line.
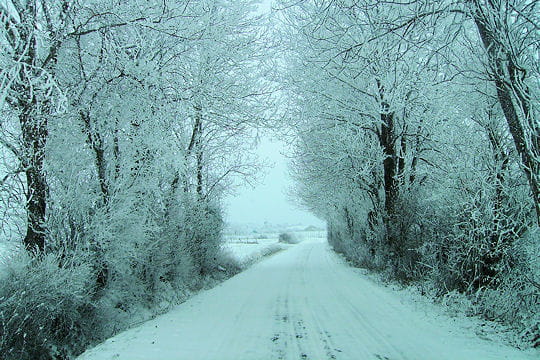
(116, 151)
(33, 121)
(33, 105)
(350, 223)
(401, 159)
(195, 146)
(393, 171)
(34, 136)
(389, 162)
(416, 154)
(512, 94)
(93, 139)
(387, 142)
(200, 173)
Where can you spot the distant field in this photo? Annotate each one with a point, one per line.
(249, 246)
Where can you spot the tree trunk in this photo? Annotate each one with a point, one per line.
(94, 140)
(512, 94)
(416, 154)
(387, 142)
(34, 136)
(200, 173)
(116, 151)
(34, 106)
(195, 146)
(199, 152)
(33, 122)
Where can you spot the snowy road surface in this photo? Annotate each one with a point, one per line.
(302, 303)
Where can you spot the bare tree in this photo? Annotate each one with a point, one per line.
(34, 32)
(509, 32)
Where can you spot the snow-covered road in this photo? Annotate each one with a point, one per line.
(302, 303)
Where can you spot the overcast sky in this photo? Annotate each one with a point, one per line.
(268, 201)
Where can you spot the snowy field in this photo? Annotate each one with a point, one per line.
(248, 249)
(303, 303)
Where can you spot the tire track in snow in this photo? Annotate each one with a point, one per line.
(297, 336)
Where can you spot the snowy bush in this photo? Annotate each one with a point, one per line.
(46, 311)
(516, 298)
(54, 306)
(202, 226)
(227, 265)
(478, 247)
(288, 238)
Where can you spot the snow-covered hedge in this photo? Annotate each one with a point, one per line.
(46, 310)
(461, 244)
(288, 238)
(127, 263)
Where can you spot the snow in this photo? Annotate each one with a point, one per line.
(249, 248)
(246, 248)
(302, 303)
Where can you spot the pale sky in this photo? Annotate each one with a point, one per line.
(268, 201)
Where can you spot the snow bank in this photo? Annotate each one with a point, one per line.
(248, 249)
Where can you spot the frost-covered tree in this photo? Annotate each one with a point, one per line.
(32, 33)
(509, 33)
(142, 113)
(378, 95)
(225, 87)
(408, 151)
